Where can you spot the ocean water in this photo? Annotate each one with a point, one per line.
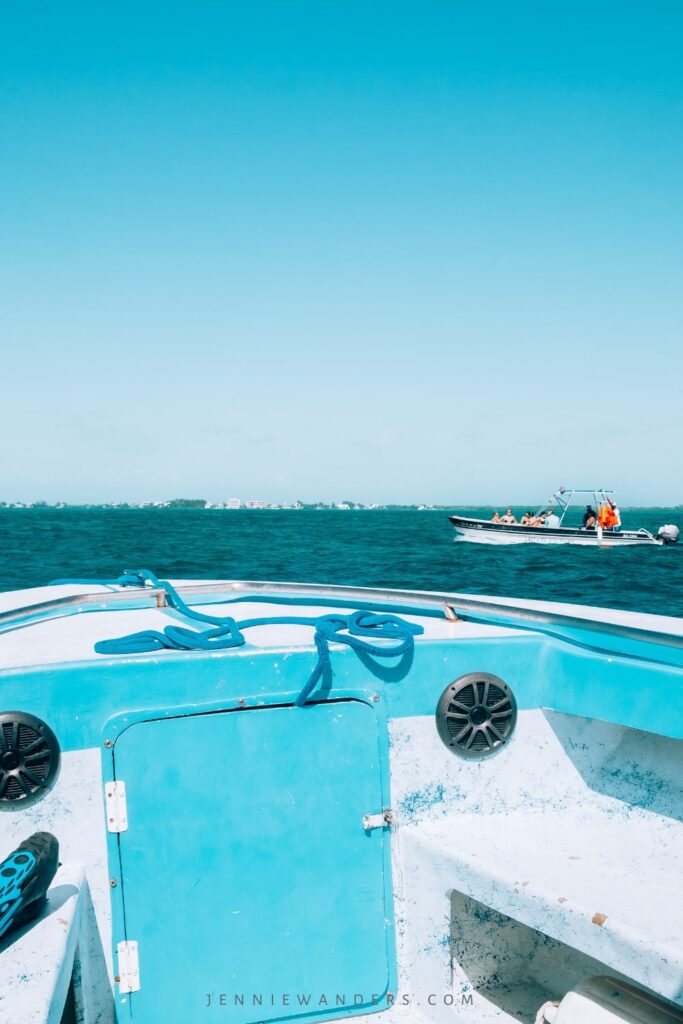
(391, 548)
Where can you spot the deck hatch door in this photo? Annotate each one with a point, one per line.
(248, 879)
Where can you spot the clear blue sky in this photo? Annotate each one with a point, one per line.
(380, 251)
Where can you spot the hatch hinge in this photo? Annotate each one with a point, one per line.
(128, 977)
(383, 820)
(115, 804)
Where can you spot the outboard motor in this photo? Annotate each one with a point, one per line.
(669, 533)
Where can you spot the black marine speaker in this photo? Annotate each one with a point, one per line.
(29, 759)
(476, 715)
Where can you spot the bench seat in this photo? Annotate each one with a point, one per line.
(604, 884)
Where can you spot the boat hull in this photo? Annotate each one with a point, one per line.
(481, 531)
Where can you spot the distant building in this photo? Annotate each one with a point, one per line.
(233, 503)
(253, 503)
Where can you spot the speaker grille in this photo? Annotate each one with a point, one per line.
(29, 759)
(476, 715)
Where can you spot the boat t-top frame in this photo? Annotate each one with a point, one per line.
(564, 498)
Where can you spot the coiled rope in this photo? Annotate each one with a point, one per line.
(358, 630)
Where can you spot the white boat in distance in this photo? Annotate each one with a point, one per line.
(483, 531)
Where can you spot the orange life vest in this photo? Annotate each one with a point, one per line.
(607, 517)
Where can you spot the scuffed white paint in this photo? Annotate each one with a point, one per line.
(74, 812)
(40, 960)
(539, 835)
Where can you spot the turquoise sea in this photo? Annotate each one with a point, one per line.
(392, 548)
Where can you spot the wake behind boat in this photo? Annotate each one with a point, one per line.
(550, 529)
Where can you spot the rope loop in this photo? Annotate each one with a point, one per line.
(379, 635)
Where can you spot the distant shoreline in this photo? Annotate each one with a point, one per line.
(303, 507)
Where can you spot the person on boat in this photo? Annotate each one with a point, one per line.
(526, 519)
(538, 520)
(552, 520)
(606, 517)
(508, 518)
(617, 515)
(495, 518)
(611, 517)
(589, 518)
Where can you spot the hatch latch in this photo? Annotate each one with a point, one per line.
(383, 820)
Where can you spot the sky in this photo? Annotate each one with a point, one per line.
(393, 252)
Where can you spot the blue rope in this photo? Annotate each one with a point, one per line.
(356, 629)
